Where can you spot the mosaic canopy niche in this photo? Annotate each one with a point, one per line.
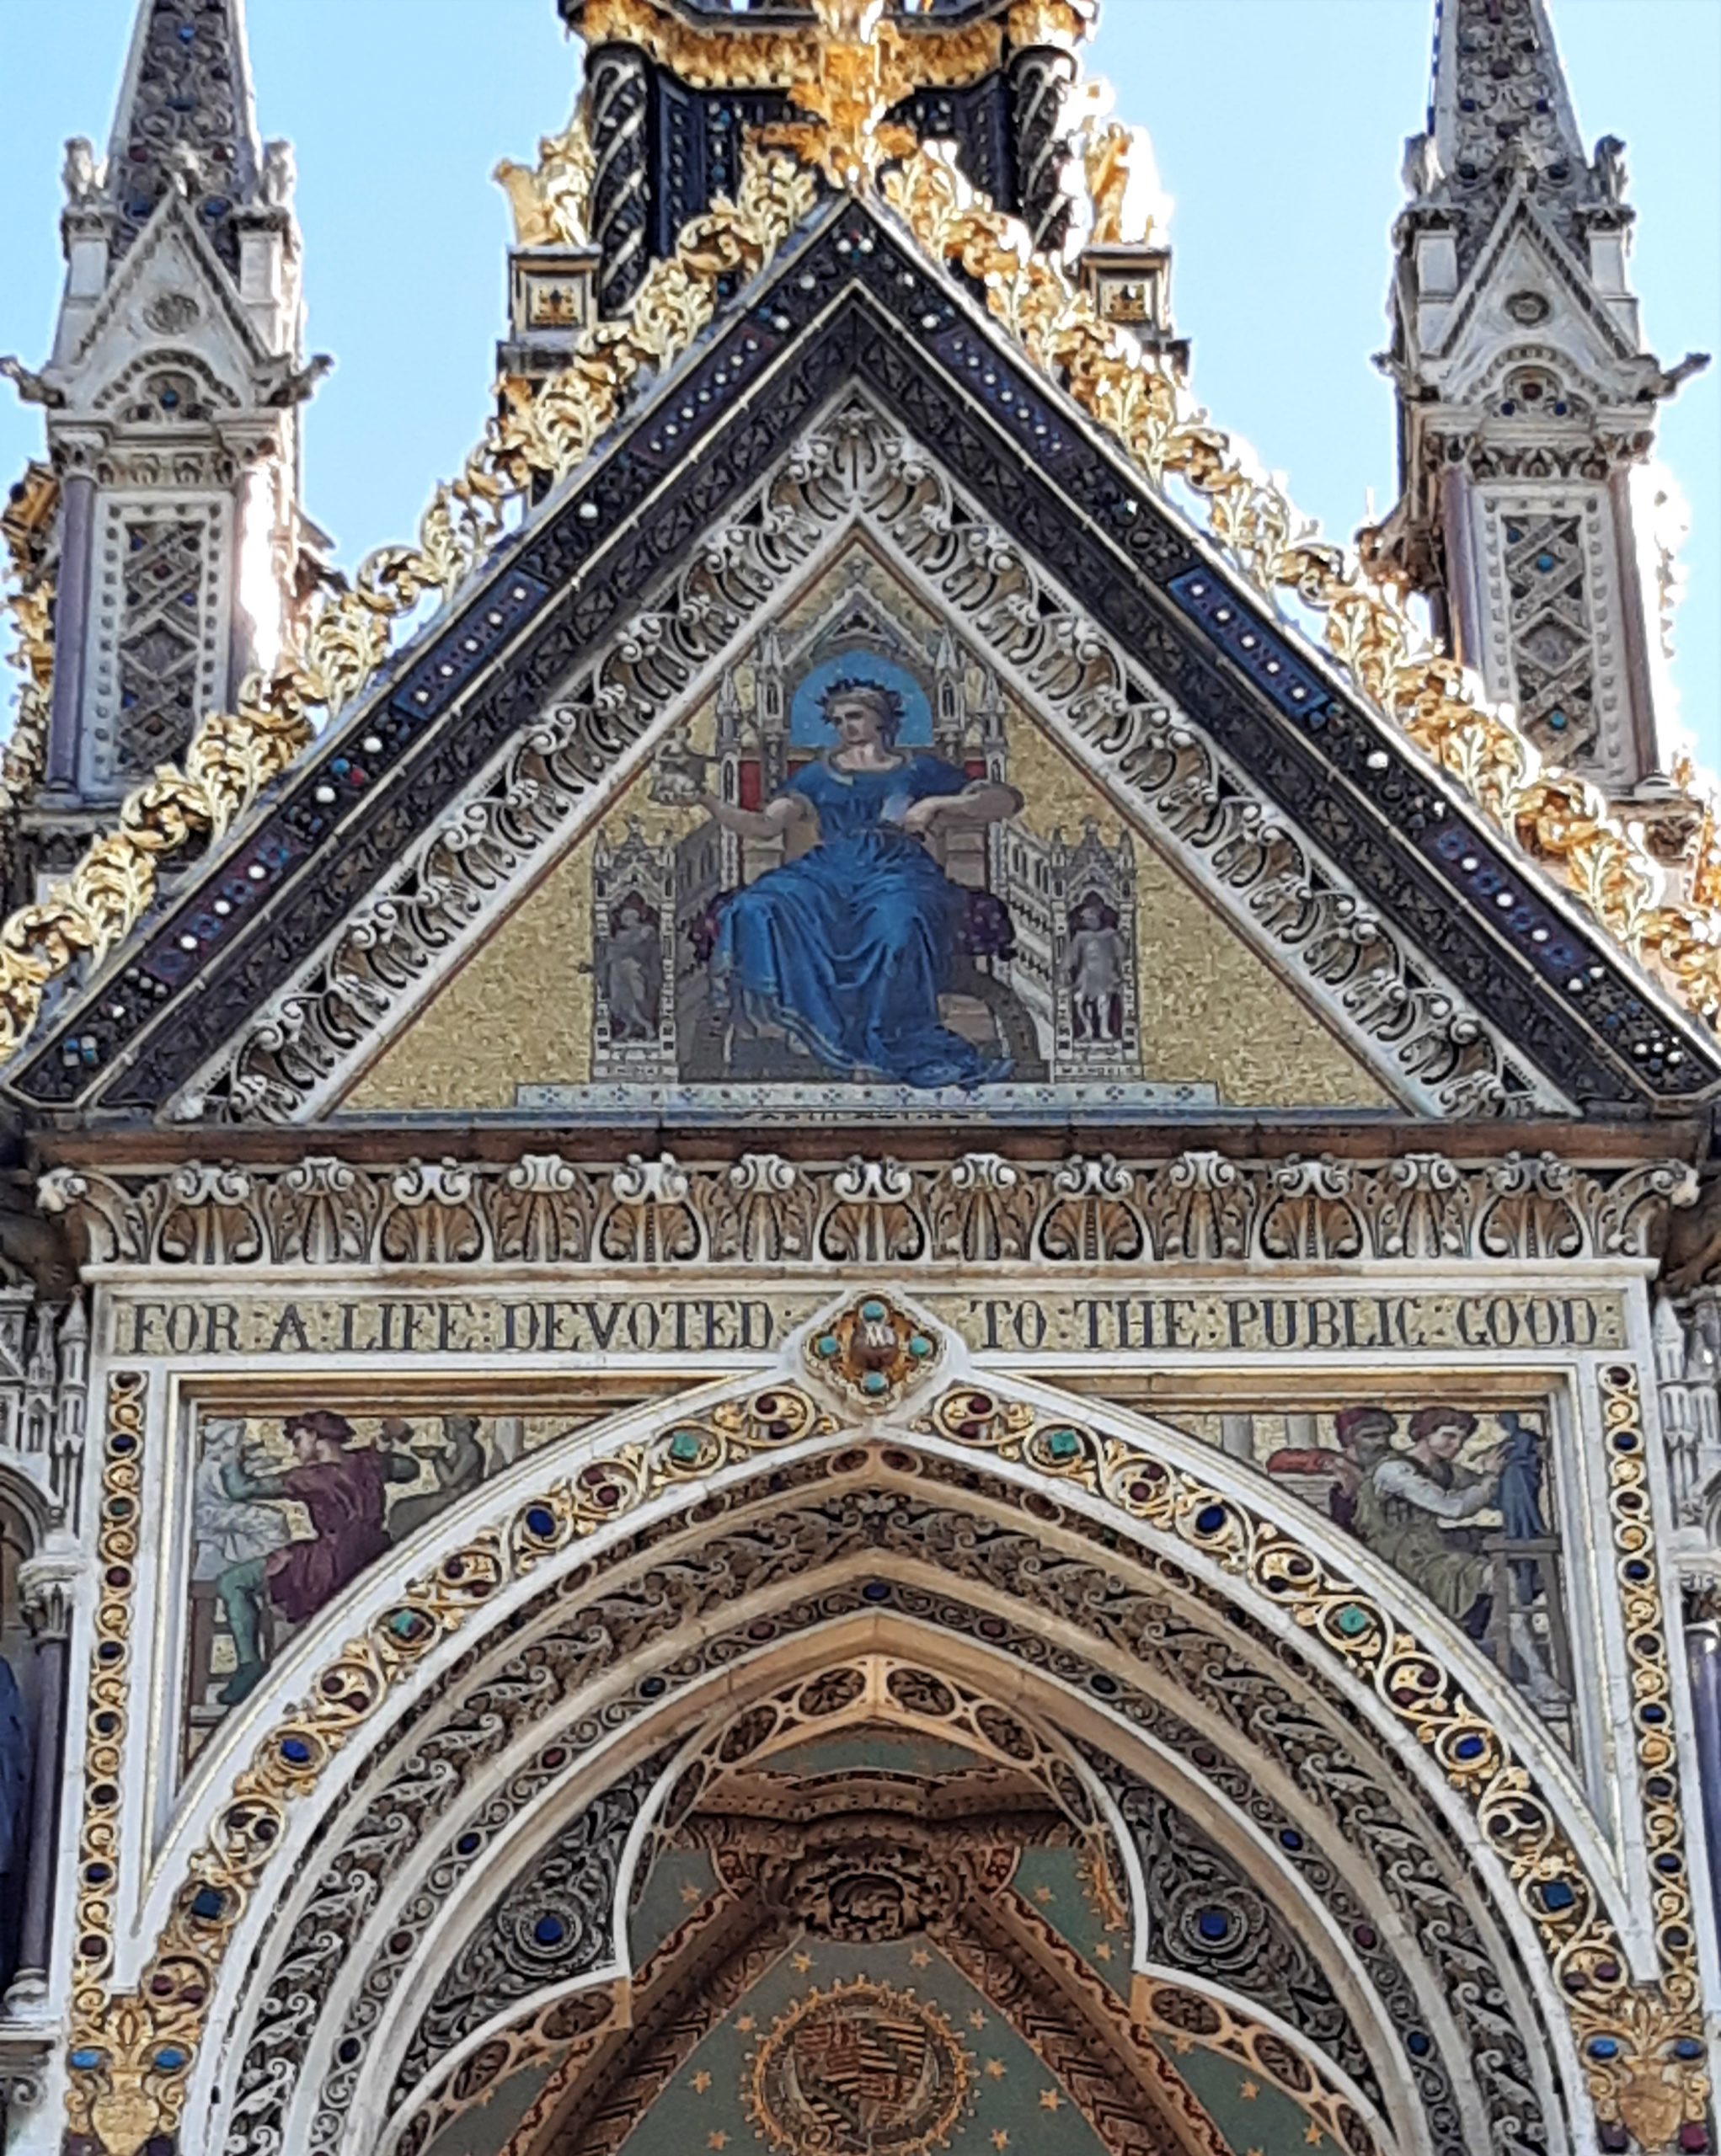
(864, 874)
(875, 1940)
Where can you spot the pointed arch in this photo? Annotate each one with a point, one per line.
(589, 1594)
(830, 1486)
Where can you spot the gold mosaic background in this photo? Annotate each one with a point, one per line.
(519, 1010)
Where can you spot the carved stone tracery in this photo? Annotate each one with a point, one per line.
(539, 1674)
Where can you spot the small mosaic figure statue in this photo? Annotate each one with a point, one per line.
(632, 960)
(1095, 963)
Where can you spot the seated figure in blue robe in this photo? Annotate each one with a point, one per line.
(847, 948)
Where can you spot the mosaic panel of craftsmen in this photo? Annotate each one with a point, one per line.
(1462, 1500)
(293, 1508)
(864, 874)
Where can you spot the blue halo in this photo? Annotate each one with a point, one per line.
(807, 728)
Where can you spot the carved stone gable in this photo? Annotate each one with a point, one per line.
(1210, 738)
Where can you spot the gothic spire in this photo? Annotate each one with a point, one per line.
(1500, 108)
(172, 409)
(1526, 406)
(185, 118)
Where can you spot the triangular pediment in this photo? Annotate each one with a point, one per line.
(171, 302)
(1391, 950)
(1071, 957)
(1525, 257)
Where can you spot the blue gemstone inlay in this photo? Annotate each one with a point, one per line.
(457, 654)
(1267, 658)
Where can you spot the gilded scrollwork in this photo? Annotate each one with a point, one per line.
(24, 755)
(1558, 819)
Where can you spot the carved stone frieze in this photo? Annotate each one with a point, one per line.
(857, 470)
(763, 1209)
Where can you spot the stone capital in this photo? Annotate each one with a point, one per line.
(47, 1586)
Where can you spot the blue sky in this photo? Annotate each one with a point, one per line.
(1278, 126)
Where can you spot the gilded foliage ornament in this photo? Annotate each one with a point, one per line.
(1556, 818)
(24, 755)
(234, 755)
(856, 71)
(846, 75)
(743, 55)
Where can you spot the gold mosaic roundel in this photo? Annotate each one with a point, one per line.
(859, 2070)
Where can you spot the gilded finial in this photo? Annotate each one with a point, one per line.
(1117, 172)
(532, 223)
(850, 78)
